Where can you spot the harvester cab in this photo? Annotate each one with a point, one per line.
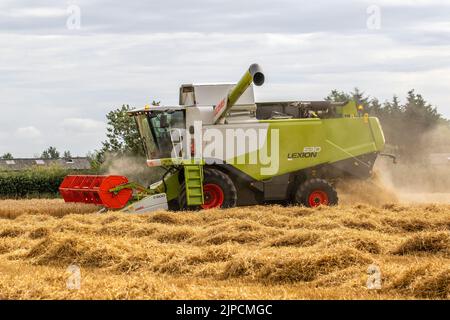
(162, 130)
(221, 148)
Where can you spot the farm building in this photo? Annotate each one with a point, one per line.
(75, 163)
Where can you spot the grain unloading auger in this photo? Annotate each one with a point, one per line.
(220, 148)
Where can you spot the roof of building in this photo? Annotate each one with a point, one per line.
(75, 163)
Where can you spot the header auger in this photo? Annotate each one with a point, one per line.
(220, 148)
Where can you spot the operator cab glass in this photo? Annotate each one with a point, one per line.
(162, 133)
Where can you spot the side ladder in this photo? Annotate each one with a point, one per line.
(193, 177)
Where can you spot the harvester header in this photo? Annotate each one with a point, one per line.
(96, 190)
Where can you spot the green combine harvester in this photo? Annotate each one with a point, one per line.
(221, 149)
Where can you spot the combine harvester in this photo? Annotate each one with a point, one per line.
(222, 149)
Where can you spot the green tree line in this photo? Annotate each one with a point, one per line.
(406, 125)
(49, 153)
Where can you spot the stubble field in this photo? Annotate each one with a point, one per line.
(263, 252)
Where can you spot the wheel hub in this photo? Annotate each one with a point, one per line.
(317, 198)
(213, 196)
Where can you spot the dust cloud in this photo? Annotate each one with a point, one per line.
(134, 168)
(420, 176)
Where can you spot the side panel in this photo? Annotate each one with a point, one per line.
(349, 137)
(305, 143)
(171, 186)
(283, 150)
(148, 204)
(377, 132)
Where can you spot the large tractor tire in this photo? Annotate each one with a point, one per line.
(219, 191)
(315, 192)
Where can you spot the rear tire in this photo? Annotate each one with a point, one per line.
(219, 191)
(315, 192)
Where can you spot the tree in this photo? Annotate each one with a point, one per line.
(393, 108)
(50, 153)
(419, 117)
(360, 98)
(95, 158)
(7, 156)
(404, 126)
(67, 155)
(419, 113)
(375, 107)
(122, 134)
(338, 96)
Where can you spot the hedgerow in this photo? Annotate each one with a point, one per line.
(36, 182)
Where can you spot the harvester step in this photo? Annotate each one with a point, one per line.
(193, 176)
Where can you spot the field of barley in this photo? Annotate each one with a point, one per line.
(263, 252)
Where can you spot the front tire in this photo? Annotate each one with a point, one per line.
(219, 191)
(315, 192)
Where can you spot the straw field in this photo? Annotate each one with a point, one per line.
(263, 252)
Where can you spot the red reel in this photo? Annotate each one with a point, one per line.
(95, 190)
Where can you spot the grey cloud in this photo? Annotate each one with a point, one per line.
(136, 51)
(198, 16)
(260, 16)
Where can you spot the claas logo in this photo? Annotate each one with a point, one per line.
(219, 106)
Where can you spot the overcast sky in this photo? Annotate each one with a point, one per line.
(60, 75)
